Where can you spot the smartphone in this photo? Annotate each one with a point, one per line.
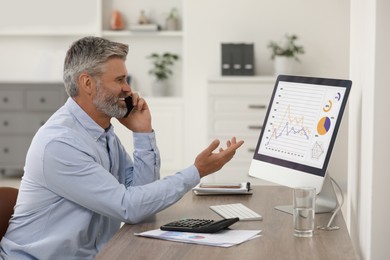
(220, 185)
(129, 105)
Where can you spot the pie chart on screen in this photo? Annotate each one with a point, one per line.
(323, 125)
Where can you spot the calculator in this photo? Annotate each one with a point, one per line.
(199, 225)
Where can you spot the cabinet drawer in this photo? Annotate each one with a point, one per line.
(13, 150)
(43, 100)
(243, 106)
(11, 100)
(237, 88)
(237, 127)
(26, 123)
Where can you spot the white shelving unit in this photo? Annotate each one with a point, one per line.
(108, 33)
(42, 30)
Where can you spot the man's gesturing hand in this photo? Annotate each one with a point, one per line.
(208, 161)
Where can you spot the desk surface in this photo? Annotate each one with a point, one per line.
(277, 240)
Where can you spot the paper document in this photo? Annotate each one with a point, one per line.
(220, 189)
(225, 238)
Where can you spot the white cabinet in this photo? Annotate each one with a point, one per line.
(24, 108)
(237, 107)
(167, 122)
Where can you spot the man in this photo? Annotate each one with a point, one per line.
(79, 183)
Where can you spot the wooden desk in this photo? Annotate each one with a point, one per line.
(277, 240)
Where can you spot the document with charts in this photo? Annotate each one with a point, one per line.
(225, 238)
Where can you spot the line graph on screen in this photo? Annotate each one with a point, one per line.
(292, 120)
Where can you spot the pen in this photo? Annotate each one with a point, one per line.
(248, 185)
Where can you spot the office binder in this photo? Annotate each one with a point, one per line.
(237, 59)
(248, 67)
(227, 62)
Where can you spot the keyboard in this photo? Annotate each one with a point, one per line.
(236, 210)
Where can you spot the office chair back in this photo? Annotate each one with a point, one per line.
(8, 197)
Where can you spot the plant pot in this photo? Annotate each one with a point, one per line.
(284, 65)
(160, 88)
(172, 24)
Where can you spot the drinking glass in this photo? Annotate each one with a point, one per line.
(304, 211)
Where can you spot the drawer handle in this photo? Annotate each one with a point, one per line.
(5, 123)
(251, 150)
(255, 127)
(5, 99)
(6, 150)
(42, 100)
(257, 106)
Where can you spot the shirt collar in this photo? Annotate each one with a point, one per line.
(95, 130)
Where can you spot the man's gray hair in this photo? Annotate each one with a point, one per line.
(88, 55)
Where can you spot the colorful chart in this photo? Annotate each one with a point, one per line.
(196, 237)
(328, 106)
(182, 235)
(323, 125)
(292, 120)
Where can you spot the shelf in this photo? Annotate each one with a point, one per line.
(30, 33)
(265, 78)
(106, 33)
(124, 33)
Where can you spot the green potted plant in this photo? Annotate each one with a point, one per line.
(161, 70)
(285, 54)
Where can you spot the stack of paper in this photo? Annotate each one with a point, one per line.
(144, 28)
(225, 238)
(222, 188)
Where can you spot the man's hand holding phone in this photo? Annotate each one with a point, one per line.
(138, 118)
(129, 105)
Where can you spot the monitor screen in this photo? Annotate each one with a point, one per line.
(299, 130)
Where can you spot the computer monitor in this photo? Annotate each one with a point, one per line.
(298, 135)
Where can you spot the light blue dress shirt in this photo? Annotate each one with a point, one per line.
(75, 192)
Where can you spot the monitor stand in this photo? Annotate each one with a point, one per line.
(326, 200)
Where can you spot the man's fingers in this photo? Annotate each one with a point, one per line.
(233, 144)
(228, 143)
(214, 145)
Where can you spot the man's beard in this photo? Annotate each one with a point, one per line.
(108, 103)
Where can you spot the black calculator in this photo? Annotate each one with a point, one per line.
(199, 225)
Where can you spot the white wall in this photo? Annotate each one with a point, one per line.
(323, 28)
(381, 178)
(368, 129)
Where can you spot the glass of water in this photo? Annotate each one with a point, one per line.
(304, 211)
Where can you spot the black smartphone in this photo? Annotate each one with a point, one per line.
(129, 105)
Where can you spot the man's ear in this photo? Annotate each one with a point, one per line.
(86, 83)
